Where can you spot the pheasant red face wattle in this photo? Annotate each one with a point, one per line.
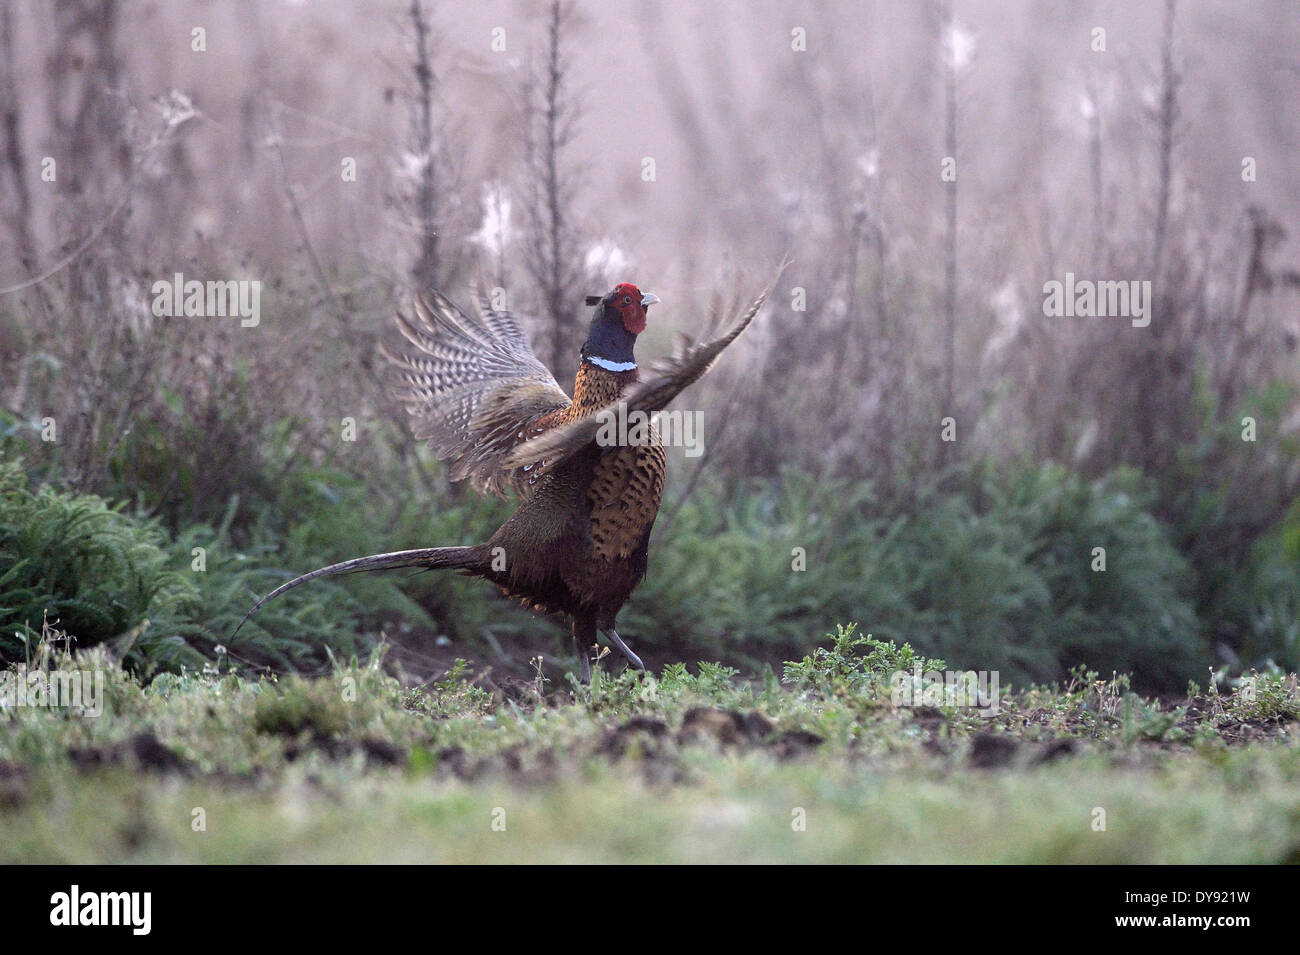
(631, 305)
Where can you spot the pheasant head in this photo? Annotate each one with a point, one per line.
(619, 317)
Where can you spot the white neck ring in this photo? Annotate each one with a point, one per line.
(611, 365)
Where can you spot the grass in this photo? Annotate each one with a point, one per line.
(995, 574)
(682, 767)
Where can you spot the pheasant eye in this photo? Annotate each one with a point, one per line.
(627, 299)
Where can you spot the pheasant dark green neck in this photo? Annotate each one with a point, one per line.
(609, 344)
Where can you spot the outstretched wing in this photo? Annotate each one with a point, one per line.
(474, 389)
(664, 381)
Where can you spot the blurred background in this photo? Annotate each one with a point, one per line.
(159, 473)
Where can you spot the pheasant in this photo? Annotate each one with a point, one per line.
(577, 543)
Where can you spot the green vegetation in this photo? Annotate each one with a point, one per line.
(993, 574)
(817, 766)
(295, 751)
(992, 570)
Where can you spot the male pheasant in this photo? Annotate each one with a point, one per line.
(578, 541)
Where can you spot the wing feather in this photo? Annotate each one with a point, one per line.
(473, 387)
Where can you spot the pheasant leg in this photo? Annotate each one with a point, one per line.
(633, 660)
(584, 635)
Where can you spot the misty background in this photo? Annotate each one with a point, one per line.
(553, 150)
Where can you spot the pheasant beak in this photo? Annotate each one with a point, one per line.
(650, 298)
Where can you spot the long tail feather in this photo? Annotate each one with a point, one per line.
(427, 557)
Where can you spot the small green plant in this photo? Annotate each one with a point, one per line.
(1142, 720)
(296, 705)
(455, 694)
(1265, 696)
(855, 664)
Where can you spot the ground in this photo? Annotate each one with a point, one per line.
(816, 764)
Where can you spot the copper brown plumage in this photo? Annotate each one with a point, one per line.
(577, 543)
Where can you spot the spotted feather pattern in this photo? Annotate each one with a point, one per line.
(475, 390)
(625, 494)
